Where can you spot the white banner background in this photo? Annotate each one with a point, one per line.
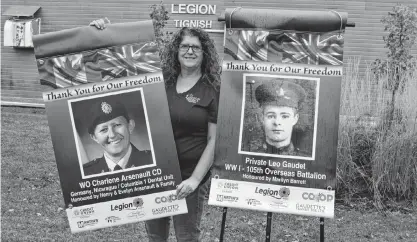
(123, 211)
(272, 198)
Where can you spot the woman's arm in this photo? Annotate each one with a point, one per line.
(206, 160)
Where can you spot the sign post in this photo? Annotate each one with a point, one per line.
(223, 223)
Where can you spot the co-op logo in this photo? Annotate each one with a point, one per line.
(318, 197)
(166, 199)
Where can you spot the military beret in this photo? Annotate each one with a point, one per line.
(280, 92)
(104, 110)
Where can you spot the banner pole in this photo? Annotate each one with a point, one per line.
(223, 224)
(268, 227)
(321, 229)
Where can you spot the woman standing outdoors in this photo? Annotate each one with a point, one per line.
(192, 76)
(191, 71)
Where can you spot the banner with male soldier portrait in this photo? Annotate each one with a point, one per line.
(109, 123)
(279, 111)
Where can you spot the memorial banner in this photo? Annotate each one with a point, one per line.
(110, 125)
(276, 143)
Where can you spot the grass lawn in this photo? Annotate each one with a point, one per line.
(32, 203)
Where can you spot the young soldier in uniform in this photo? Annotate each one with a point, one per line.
(111, 128)
(279, 100)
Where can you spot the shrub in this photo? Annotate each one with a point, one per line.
(357, 131)
(395, 159)
(374, 160)
(401, 27)
(160, 17)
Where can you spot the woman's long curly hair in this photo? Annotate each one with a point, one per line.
(210, 67)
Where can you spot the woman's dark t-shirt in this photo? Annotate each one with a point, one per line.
(191, 111)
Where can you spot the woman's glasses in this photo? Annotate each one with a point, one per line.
(185, 48)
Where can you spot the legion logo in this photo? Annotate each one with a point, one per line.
(137, 203)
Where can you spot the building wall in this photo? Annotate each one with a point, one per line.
(19, 77)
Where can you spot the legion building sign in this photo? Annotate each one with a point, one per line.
(196, 9)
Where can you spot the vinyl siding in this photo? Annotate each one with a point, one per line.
(19, 74)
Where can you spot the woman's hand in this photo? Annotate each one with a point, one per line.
(100, 23)
(187, 187)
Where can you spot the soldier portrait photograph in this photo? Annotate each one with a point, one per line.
(279, 116)
(112, 133)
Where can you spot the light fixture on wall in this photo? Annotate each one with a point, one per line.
(21, 25)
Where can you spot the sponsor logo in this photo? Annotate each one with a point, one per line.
(166, 199)
(166, 209)
(91, 222)
(253, 202)
(121, 207)
(231, 185)
(228, 187)
(310, 208)
(136, 215)
(112, 219)
(137, 203)
(318, 197)
(281, 203)
(83, 212)
(224, 198)
(282, 193)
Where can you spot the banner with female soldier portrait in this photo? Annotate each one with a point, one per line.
(279, 111)
(110, 125)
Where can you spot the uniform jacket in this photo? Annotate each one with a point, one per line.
(137, 158)
(269, 149)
